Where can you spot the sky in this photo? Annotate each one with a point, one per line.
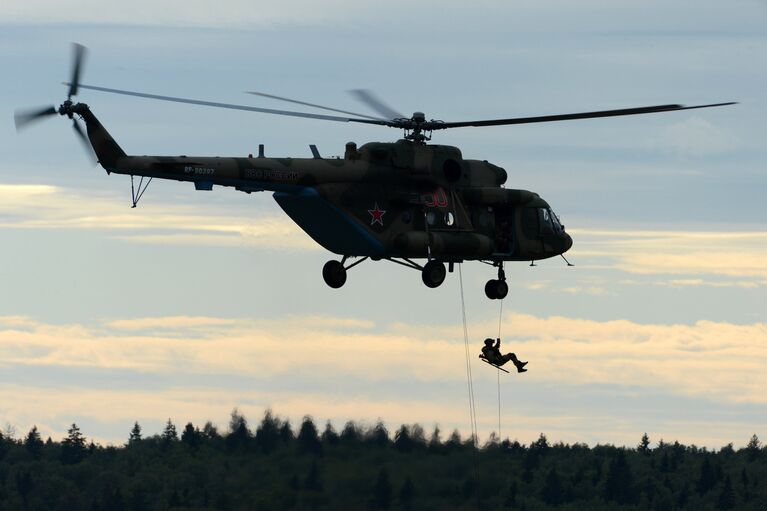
(195, 303)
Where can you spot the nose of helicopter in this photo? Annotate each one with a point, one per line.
(567, 242)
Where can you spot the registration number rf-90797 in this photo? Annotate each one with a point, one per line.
(199, 171)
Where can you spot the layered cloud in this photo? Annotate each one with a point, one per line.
(49, 207)
(740, 256)
(349, 368)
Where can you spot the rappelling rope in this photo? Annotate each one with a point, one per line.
(469, 379)
(498, 372)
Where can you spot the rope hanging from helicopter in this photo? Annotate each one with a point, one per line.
(498, 372)
(469, 377)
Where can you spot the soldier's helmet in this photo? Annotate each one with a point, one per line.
(488, 341)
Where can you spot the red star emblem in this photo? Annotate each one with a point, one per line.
(377, 215)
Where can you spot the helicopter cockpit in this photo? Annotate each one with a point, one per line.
(529, 232)
(548, 222)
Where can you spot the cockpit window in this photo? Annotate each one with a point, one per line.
(555, 220)
(544, 221)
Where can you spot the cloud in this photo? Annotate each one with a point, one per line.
(715, 361)
(706, 358)
(589, 290)
(49, 207)
(697, 256)
(175, 13)
(697, 137)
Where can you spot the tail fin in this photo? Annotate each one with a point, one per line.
(107, 150)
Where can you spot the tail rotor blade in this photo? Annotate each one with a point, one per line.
(78, 55)
(24, 117)
(85, 141)
(371, 100)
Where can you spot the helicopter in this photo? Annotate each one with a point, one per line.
(399, 201)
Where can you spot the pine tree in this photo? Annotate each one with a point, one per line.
(308, 440)
(191, 436)
(511, 496)
(169, 434)
(619, 485)
(268, 433)
(329, 436)
(73, 448)
(350, 433)
(24, 485)
(312, 481)
(553, 493)
(210, 431)
(744, 482)
(239, 434)
(435, 442)
(382, 491)
(454, 440)
(753, 448)
(33, 442)
(402, 440)
(707, 478)
(379, 435)
(727, 497)
(541, 445)
(286, 433)
(664, 462)
(644, 444)
(406, 493)
(135, 434)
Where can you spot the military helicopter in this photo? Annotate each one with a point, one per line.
(400, 201)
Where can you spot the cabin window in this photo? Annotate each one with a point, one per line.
(530, 223)
(449, 219)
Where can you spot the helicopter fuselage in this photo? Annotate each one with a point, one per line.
(384, 200)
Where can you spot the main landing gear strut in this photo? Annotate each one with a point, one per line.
(497, 289)
(334, 272)
(432, 273)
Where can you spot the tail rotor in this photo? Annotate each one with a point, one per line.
(25, 117)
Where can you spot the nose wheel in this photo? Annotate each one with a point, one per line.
(433, 274)
(497, 289)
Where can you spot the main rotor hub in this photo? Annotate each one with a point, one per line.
(418, 117)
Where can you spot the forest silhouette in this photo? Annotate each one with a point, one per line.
(274, 466)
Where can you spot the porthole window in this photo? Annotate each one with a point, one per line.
(449, 219)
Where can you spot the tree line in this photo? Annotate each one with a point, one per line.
(274, 466)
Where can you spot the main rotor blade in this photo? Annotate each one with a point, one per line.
(581, 115)
(78, 55)
(85, 140)
(271, 96)
(371, 100)
(232, 106)
(24, 117)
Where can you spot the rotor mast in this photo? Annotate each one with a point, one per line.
(416, 128)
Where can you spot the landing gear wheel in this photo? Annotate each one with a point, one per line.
(496, 289)
(433, 274)
(334, 274)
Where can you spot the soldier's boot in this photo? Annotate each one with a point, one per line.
(520, 366)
